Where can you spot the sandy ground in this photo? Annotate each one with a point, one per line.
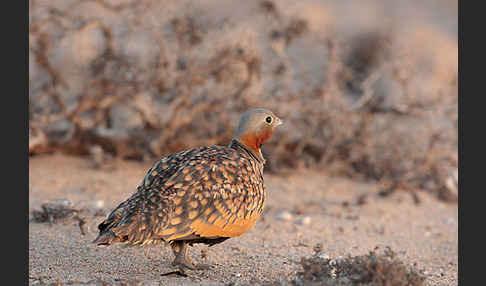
(425, 234)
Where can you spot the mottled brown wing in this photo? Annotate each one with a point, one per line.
(137, 219)
(166, 167)
(147, 211)
(219, 193)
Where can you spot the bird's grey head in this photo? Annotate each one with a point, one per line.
(255, 127)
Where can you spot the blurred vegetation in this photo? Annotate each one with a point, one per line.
(363, 91)
(378, 267)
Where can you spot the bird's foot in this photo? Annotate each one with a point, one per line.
(183, 261)
(184, 264)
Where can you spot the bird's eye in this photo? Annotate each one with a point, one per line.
(268, 119)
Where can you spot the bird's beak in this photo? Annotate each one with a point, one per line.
(279, 121)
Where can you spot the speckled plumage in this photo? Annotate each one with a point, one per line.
(202, 195)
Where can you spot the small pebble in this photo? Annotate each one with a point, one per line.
(305, 220)
(237, 274)
(98, 204)
(285, 215)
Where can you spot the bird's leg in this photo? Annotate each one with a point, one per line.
(182, 259)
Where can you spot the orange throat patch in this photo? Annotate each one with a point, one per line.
(255, 140)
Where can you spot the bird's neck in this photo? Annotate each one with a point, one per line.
(255, 153)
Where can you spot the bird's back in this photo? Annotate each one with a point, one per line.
(205, 194)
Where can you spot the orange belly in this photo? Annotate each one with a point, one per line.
(222, 229)
(219, 228)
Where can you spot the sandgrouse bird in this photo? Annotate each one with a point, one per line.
(201, 195)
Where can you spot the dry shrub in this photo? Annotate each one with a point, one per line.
(54, 212)
(157, 79)
(375, 269)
